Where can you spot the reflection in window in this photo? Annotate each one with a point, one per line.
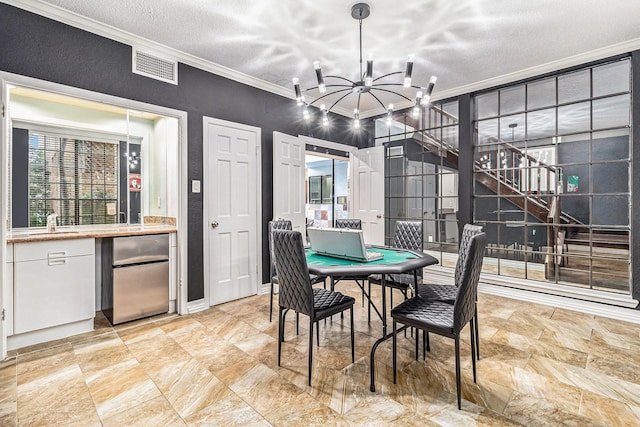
(421, 177)
(555, 199)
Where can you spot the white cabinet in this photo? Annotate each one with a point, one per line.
(54, 283)
(7, 292)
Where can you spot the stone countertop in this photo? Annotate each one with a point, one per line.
(87, 231)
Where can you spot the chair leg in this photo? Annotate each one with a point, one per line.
(457, 339)
(369, 305)
(310, 348)
(318, 333)
(353, 347)
(475, 325)
(271, 304)
(297, 323)
(417, 341)
(281, 316)
(473, 348)
(395, 344)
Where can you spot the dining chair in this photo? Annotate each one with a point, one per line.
(407, 235)
(297, 293)
(448, 293)
(352, 224)
(281, 224)
(443, 318)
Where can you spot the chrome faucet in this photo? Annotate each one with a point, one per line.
(52, 222)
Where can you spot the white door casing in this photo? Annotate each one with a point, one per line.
(4, 140)
(367, 192)
(289, 180)
(231, 210)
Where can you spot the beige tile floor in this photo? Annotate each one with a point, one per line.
(540, 366)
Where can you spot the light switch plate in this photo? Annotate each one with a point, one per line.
(195, 185)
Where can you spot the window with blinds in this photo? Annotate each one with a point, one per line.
(74, 178)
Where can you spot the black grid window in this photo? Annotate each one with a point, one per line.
(552, 177)
(421, 175)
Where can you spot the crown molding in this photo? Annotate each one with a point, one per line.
(73, 19)
(84, 23)
(549, 67)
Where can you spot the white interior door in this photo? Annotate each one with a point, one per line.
(367, 192)
(289, 179)
(231, 219)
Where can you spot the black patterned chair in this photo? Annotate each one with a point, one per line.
(351, 223)
(407, 235)
(281, 224)
(297, 294)
(444, 318)
(448, 293)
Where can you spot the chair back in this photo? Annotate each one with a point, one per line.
(468, 232)
(296, 292)
(464, 306)
(408, 235)
(351, 223)
(276, 224)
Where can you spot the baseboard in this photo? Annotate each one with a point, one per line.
(597, 303)
(49, 334)
(196, 306)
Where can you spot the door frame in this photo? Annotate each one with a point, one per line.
(8, 79)
(205, 202)
(4, 170)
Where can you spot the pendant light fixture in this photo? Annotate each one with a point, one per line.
(367, 85)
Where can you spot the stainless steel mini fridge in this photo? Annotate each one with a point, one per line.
(135, 277)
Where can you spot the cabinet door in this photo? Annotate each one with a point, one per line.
(53, 292)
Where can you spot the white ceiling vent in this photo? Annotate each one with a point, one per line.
(151, 65)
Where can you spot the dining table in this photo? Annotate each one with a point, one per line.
(394, 261)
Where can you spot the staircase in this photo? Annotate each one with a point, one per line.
(534, 192)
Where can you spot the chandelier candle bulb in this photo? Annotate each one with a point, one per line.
(305, 113)
(321, 86)
(296, 87)
(356, 119)
(389, 120)
(325, 115)
(368, 80)
(427, 97)
(408, 71)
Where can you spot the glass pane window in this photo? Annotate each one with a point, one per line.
(73, 179)
(552, 177)
(574, 86)
(541, 93)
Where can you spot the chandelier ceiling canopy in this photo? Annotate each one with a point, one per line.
(368, 85)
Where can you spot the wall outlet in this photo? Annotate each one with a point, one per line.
(430, 239)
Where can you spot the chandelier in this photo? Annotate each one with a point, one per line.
(367, 85)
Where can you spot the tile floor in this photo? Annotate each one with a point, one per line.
(540, 366)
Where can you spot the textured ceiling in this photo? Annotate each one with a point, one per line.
(463, 42)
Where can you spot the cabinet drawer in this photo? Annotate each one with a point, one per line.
(53, 249)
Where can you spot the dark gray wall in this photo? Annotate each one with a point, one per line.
(38, 47)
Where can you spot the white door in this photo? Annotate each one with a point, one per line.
(231, 213)
(289, 179)
(367, 192)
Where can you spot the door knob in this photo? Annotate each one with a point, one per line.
(378, 216)
(214, 224)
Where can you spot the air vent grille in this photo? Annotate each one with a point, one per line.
(155, 67)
